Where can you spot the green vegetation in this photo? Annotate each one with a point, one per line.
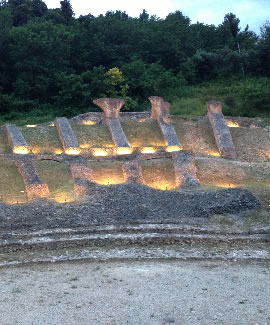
(53, 64)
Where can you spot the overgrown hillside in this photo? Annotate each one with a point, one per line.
(55, 64)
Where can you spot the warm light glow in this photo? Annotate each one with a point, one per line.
(123, 151)
(58, 151)
(72, 151)
(31, 125)
(36, 150)
(13, 201)
(232, 124)
(225, 185)
(64, 197)
(148, 150)
(113, 180)
(51, 124)
(100, 152)
(213, 153)
(21, 150)
(88, 122)
(162, 185)
(173, 148)
(267, 154)
(142, 119)
(85, 146)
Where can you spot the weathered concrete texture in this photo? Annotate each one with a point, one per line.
(221, 131)
(111, 108)
(81, 174)
(185, 170)
(15, 139)
(160, 108)
(117, 132)
(132, 171)
(34, 186)
(68, 138)
(161, 113)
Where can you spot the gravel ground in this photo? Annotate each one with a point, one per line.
(127, 203)
(152, 292)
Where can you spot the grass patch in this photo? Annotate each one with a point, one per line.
(94, 136)
(12, 188)
(107, 172)
(188, 107)
(143, 134)
(59, 179)
(4, 146)
(42, 139)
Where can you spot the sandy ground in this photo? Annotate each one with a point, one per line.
(136, 292)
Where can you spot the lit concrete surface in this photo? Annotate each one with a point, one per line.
(136, 292)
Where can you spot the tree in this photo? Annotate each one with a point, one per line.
(66, 10)
(144, 16)
(231, 22)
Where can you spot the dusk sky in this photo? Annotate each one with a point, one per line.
(252, 12)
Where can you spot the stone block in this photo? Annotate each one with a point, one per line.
(16, 140)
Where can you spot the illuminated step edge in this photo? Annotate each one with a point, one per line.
(34, 186)
(68, 138)
(16, 140)
(185, 171)
(221, 130)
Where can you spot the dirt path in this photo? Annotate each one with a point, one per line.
(137, 292)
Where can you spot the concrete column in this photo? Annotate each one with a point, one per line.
(161, 113)
(221, 130)
(132, 171)
(185, 171)
(81, 175)
(16, 140)
(68, 138)
(34, 186)
(111, 108)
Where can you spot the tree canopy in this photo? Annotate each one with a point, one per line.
(51, 59)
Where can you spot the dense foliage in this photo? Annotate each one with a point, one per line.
(53, 63)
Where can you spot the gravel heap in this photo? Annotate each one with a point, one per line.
(128, 203)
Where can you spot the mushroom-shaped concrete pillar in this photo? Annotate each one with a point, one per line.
(161, 113)
(110, 106)
(214, 107)
(160, 108)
